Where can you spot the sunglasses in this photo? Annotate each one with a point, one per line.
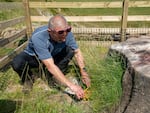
(62, 31)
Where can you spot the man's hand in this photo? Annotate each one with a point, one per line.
(78, 91)
(85, 78)
(80, 61)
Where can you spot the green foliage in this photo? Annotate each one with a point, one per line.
(4, 51)
(7, 106)
(106, 85)
(106, 74)
(3, 82)
(10, 14)
(11, 0)
(42, 106)
(105, 91)
(2, 16)
(6, 77)
(6, 0)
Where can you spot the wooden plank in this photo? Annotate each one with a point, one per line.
(139, 18)
(15, 43)
(115, 4)
(75, 4)
(124, 19)
(11, 22)
(6, 59)
(16, 35)
(93, 18)
(7, 40)
(28, 18)
(3, 42)
(78, 18)
(17, 5)
(139, 3)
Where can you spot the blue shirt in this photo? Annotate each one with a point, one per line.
(40, 44)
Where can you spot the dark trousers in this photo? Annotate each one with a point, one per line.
(23, 63)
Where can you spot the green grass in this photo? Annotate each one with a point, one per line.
(105, 91)
(10, 14)
(106, 78)
(4, 51)
(105, 72)
(10, 47)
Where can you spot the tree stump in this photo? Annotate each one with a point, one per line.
(136, 79)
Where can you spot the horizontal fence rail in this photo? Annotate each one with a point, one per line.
(87, 4)
(13, 37)
(5, 41)
(6, 59)
(74, 4)
(17, 5)
(93, 18)
(12, 22)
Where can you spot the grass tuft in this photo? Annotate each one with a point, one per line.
(103, 95)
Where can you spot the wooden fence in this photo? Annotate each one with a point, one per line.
(29, 19)
(6, 40)
(94, 18)
(90, 5)
(123, 18)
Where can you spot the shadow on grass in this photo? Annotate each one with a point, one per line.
(9, 106)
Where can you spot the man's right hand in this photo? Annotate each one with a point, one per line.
(56, 72)
(78, 91)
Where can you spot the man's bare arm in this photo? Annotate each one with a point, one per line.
(56, 72)
(80, 60)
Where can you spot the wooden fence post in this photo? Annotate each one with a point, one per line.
(124, 19)
(28, 18)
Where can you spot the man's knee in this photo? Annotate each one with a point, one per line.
(16, 65)
(18, 62)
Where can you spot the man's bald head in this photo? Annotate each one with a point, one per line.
(57, 21)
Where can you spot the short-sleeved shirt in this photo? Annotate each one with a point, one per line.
(44, 47)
